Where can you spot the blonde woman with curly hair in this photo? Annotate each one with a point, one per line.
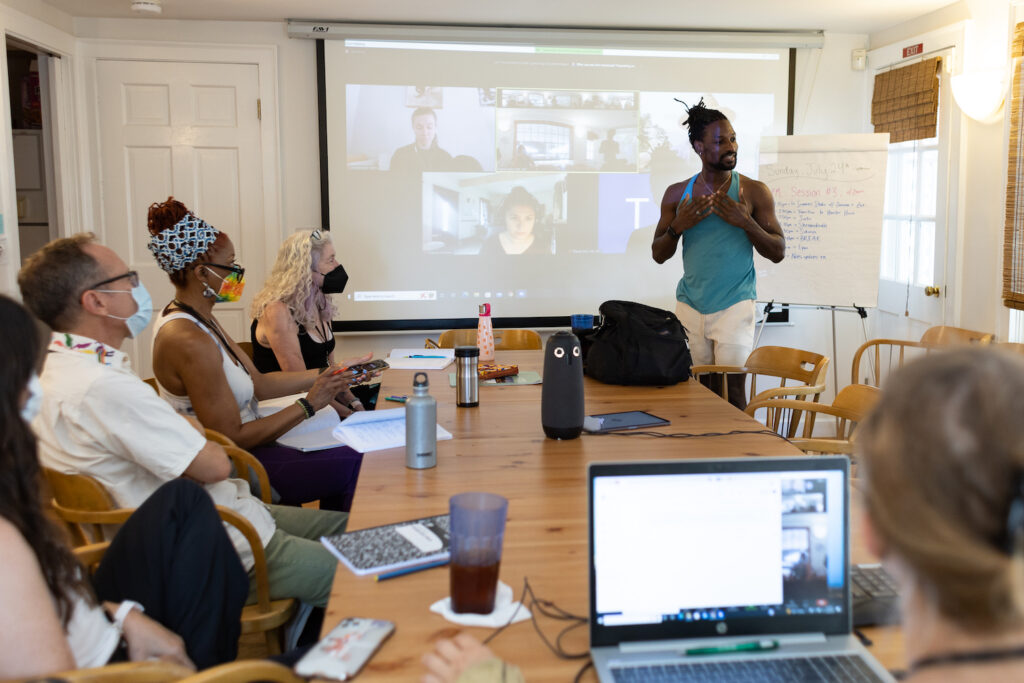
(292, 314)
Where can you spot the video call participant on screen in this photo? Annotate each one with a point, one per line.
(292, 314)
(424, 154)
(720, 217)
(523, 233)
(942, 460)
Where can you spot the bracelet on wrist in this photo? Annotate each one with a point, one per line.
(675, 235)
(306, 406)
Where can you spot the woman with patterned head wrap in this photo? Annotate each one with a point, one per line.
(202, 372)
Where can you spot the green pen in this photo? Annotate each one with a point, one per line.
(755, 646)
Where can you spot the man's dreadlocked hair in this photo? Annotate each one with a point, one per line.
(698, 118)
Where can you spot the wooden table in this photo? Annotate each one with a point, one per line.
(500, 447)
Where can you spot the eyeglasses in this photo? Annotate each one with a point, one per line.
(133, 280)
(232, 267)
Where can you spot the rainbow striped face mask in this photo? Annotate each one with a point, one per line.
(231, 287)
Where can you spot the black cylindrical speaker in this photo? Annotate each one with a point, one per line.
(561, 399)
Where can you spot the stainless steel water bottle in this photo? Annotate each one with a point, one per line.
(467, 376)
(420, 425)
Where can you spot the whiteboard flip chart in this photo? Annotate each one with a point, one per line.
(829, 192)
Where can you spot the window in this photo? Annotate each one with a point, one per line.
(545, 141)
(908, 228)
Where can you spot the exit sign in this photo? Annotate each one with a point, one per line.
(913, 50)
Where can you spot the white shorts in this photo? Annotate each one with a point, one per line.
(722, 338)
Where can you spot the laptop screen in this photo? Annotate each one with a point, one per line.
(700, 548)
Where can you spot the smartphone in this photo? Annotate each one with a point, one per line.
(365, 368)
(346, 649)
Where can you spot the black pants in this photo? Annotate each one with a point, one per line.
(175, 558)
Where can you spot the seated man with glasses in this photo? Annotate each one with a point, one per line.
(98, 418)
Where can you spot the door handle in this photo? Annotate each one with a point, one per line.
(932, 291)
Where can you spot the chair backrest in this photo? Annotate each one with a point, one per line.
(784, 416)
(885, 356)
(789, 365)
(84, 505)
(244, 671)
(942, 335)
(504, 340)
(1011, 346)
(151, 671)
(247, 347)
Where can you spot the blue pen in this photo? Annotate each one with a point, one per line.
(418, 356)
(410, 570)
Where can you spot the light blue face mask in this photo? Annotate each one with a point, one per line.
(138, 320)
(34, 402)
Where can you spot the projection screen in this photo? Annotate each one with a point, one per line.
(526, 175)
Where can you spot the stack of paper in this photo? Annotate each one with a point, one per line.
(378, 429)
(314, 434)
(421, 359)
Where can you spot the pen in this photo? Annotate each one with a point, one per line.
(757, 645)
(410, 570)
(420, 356)
(396, 399)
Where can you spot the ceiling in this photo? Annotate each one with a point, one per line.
(842, 16)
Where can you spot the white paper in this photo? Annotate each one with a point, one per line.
(377, 430)
(403, 359)
(314, 434)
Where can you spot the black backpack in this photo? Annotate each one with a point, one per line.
(637, 344)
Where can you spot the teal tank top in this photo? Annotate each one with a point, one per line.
(718, 261)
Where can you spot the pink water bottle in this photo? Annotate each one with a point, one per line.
(485, 333)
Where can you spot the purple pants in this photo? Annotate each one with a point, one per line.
(329, 475)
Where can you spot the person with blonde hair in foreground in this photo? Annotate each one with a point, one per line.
(292, 314)
(942, 456)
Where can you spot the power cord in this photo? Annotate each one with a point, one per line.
(552, 611)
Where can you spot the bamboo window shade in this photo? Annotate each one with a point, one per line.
(905, 102)
(1013, 232)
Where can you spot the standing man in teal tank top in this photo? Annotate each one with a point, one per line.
(720, 217)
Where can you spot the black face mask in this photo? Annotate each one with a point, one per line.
(335, 281)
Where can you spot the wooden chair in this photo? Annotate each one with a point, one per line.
(151, 381)
(244, 461)
(885, 356)
(153, 671)
(504, 340)
(805, 368)
(1013, 347)
(247, 347)
(851, 405)
(84, 505)
(245, 671)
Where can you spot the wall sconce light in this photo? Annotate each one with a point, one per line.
(980, 94)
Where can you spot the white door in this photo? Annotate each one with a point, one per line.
(918, 230)
(186, 130)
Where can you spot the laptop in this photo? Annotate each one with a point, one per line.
(732, 569)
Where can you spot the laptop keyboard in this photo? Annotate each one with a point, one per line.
(783, 670)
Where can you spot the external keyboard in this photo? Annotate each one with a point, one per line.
(783, 670)
(874, 595)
